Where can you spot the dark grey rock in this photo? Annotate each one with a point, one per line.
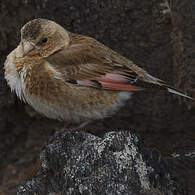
(81, 163)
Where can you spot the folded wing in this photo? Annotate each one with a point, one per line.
(87, 62)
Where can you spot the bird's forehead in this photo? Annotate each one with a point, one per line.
(31, 30)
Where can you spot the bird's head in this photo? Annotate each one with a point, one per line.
(43, 38)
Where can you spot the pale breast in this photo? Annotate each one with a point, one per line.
(12, 76)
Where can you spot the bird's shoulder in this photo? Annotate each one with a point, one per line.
(86, 58)
(84, 50)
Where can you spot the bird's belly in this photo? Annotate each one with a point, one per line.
(80, 109)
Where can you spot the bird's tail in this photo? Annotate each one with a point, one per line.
(178, 92)
(160, 84)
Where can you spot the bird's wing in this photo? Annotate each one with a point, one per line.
(88, 62)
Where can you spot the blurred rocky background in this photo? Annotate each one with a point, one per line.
(158, 35)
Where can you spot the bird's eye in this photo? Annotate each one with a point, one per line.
(44, 40)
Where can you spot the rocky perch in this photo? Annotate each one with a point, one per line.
(80, 163)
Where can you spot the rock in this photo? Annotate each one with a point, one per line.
(80, 163)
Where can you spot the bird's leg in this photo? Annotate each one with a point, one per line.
(84, 124)
(71, 127)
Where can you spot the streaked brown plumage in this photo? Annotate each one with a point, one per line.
(72, 77)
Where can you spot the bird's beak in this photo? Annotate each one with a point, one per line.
(28, 47)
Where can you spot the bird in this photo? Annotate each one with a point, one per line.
(72, 77)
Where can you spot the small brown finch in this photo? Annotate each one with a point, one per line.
(72, 77)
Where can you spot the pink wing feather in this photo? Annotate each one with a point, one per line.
(110, 81)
